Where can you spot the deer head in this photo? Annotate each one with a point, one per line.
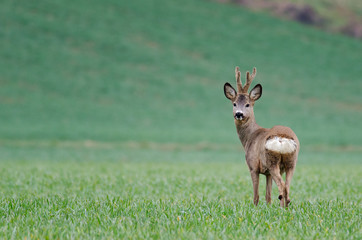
(243, 102)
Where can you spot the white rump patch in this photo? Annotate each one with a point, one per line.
(281, 145)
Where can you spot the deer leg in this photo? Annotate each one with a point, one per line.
(275, 173)
(269, 183)
(288, 179)
(255, 179)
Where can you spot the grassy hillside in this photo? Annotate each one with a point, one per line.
(154, 71)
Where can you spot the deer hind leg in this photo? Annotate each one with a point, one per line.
(255, 179)
(275, 173)
(288, 179)
(269, 183)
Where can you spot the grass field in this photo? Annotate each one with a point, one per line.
(114, 123)
(197, 194)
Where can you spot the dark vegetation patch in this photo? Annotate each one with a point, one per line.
(303, 14)
(353, 28)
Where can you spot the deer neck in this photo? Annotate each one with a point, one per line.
(246, 130)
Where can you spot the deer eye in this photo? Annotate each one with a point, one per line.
(234, 104)
(247, 105)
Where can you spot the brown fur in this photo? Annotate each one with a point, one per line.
(253, 138)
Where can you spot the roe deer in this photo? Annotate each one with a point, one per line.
(267, 151)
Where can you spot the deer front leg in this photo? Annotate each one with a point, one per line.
(255, 179)
(275, 173)
(269, 183)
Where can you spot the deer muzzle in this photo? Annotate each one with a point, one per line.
(239, 115)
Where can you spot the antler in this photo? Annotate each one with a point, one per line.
(249, 79)
(238, 81)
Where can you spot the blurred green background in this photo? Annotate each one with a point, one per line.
(153, 72)
(116, 105)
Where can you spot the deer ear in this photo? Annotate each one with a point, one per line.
(229, 91)
(256, 92)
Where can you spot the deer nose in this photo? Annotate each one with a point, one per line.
(239, 115)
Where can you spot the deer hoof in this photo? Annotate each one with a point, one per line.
(280, 197)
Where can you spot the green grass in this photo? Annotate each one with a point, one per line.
(114, 123)
(168, 195)
(93, 190)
